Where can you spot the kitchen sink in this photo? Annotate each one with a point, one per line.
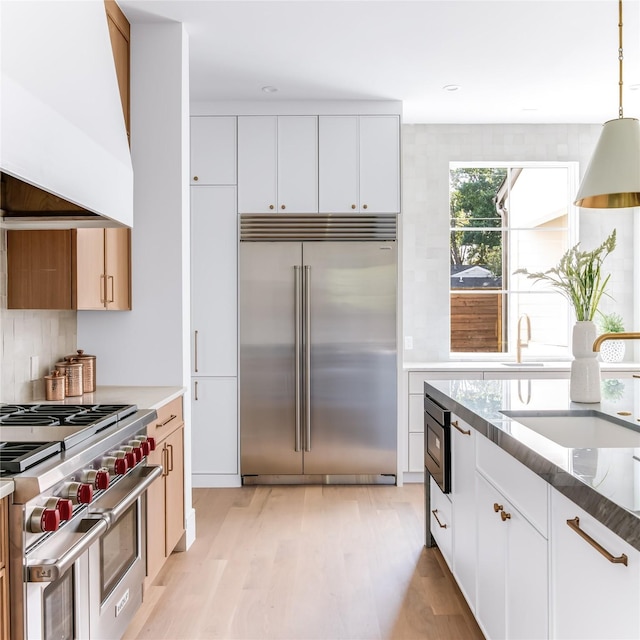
(522, 364)
(580, 429)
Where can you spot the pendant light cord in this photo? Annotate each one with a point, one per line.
(620, 56)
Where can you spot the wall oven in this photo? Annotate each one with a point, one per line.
(77, 532)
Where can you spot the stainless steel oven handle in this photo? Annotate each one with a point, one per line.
(113, 514)
(52, 571)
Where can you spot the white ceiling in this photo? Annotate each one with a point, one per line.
(516, 61)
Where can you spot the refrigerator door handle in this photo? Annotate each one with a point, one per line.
(307, 357)
(298, 329)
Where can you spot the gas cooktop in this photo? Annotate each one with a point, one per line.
(29, 433)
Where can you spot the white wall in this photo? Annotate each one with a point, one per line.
(150, 344)
(427, 151)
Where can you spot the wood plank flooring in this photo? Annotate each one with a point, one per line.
(306, 563)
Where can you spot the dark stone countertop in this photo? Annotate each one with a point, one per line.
(605, 482)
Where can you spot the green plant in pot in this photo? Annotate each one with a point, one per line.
(579, 277)
(611, 350)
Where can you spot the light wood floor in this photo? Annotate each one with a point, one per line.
(306, 563)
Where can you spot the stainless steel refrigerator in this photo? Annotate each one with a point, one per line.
(318, 354)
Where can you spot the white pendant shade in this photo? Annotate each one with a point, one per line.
(612, 179)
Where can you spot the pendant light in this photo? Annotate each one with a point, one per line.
(612, 179)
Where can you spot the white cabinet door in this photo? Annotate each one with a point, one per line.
(492, 540)
(379, 164)
(592, 597)
(213, 281)
(512, 586)
(463, 493)
(297, 164)
(213, 150)
(359, 164)
(214, 427)
(257, 164)
(338, 164)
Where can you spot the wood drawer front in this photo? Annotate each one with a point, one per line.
(521, 486)
(168, 420)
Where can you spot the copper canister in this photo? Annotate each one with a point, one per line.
(54, 385)
(73, 371)
(88, 370)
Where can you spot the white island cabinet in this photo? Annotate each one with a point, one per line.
(594, 596)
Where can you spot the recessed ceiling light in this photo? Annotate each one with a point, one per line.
(269, 89)
(451, 87)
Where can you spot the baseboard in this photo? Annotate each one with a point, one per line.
(189, 535)
(215, 481)
(412, 477)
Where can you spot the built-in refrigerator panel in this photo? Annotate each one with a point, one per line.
(268, 358)
(318, 358)
(352, 364)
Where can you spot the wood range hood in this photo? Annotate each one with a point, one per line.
(64, 158)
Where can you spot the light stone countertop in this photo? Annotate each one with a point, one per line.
(6, 488)
(494, 365)
(605, 482)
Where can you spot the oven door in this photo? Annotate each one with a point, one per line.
(57, 593)
(117, 562)
(437, 452)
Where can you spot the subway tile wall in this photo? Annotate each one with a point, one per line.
(426, 153)
(49, 335)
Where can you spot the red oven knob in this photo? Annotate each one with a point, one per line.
(80, 492)
(64, 507)
(116, 463)
(152, 443)
(99, 478)
(129, 456)
(43, 519)
(136, 447)
(146, 449)
(121, 466)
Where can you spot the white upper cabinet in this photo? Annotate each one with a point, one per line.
(277, 164)
(359, 164)
(213, 150)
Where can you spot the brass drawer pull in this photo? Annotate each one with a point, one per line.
(575, 526)
(435, 515)
(465, 432)
(167, 421)
(505, 516)
(497, 507)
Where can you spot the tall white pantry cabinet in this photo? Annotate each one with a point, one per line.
(264, 164)
(214, 317)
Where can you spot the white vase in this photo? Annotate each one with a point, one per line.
(585, 368)
(612, 351)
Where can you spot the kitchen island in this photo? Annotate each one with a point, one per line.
(543, 540)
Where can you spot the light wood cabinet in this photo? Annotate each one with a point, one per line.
(119, 32)
(213, 150)
(86, 269)
(4, 568)
(359, 164)
(277, 164)
(165, 497)
(592, 598)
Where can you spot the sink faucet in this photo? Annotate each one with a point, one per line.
(519, 342)
(633, 335)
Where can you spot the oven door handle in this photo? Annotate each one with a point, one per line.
(147, 476)
(52, 571)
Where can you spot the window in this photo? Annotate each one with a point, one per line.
(503, 217)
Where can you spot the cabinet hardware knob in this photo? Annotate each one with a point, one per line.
(505, 516)
(195, 178)
(435, 515)
(454, 423)
(353, 206)
(574, 524)
(282, 207)
(270, 206)
(497, 507)
(364, 206)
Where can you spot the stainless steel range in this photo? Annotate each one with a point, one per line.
(77, 521)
